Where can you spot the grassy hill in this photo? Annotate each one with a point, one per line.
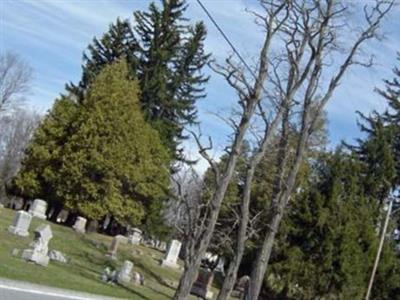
(87, 260)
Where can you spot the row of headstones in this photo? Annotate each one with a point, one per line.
(38, 253)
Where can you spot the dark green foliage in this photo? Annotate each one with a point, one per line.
(102, 158)
(328, 242)
(167, 56)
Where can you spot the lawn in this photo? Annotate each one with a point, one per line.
(87, 260)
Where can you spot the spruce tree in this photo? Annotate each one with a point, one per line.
(167, 55)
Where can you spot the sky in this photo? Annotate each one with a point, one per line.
(51, 36)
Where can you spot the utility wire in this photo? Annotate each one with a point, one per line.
(226, 38)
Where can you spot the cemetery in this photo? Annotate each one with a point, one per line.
(58, 256)
(200, 149)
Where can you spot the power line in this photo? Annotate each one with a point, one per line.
(226, 38)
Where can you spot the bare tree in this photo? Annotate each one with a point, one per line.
(321, 24)
(15, 77)
(250, 95)
(16, 130)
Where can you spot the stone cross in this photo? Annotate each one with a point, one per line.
(135, 237)
(38, 250)
(38, 209)
(171, 257)
(80, 225)
(20, 226)
(124, 276)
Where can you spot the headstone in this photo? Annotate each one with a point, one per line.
(108, 275)
(62, 216)
(16, 203)
(80, 225)
(136, 278)
(220, 266)
(124, 275)
(163, 246)
(202, 286)
(135, 237)
(106, 222)
(57, 256)
(20, 226)
(171, 257)
(1, 205)
(38, 209)
(122, 239)
(241, 286)
(118, 239)
(39, 248)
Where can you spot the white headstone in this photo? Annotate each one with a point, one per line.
(38, 250)
(124, 276)
(20, 226)
(38, 209)
(80, 225)
(171, 258)
(135, 237)
(62, 216)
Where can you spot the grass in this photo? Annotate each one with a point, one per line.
(87, 260)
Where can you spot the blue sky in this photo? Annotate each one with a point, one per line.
(52, 35)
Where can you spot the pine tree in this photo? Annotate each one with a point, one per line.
(167, 56)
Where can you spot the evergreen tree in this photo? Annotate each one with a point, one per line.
(39, 174)
(112, 162)
(328, 242)
(167, 56)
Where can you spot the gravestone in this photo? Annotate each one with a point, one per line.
(202, 286)
(80, 225)
(171, 257)
(38, 209)
(135, 237)
(241, 287)
(163, 246)
(118, 239)
(122, 239)
(21, 223)
(62, 216)
(38, 250)
(106, 222)
(124, 275)
(16, 203)
(220, 266)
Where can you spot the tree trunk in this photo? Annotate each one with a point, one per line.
(261, 263)
(230, 278)
(234, 264)
(188, 277)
